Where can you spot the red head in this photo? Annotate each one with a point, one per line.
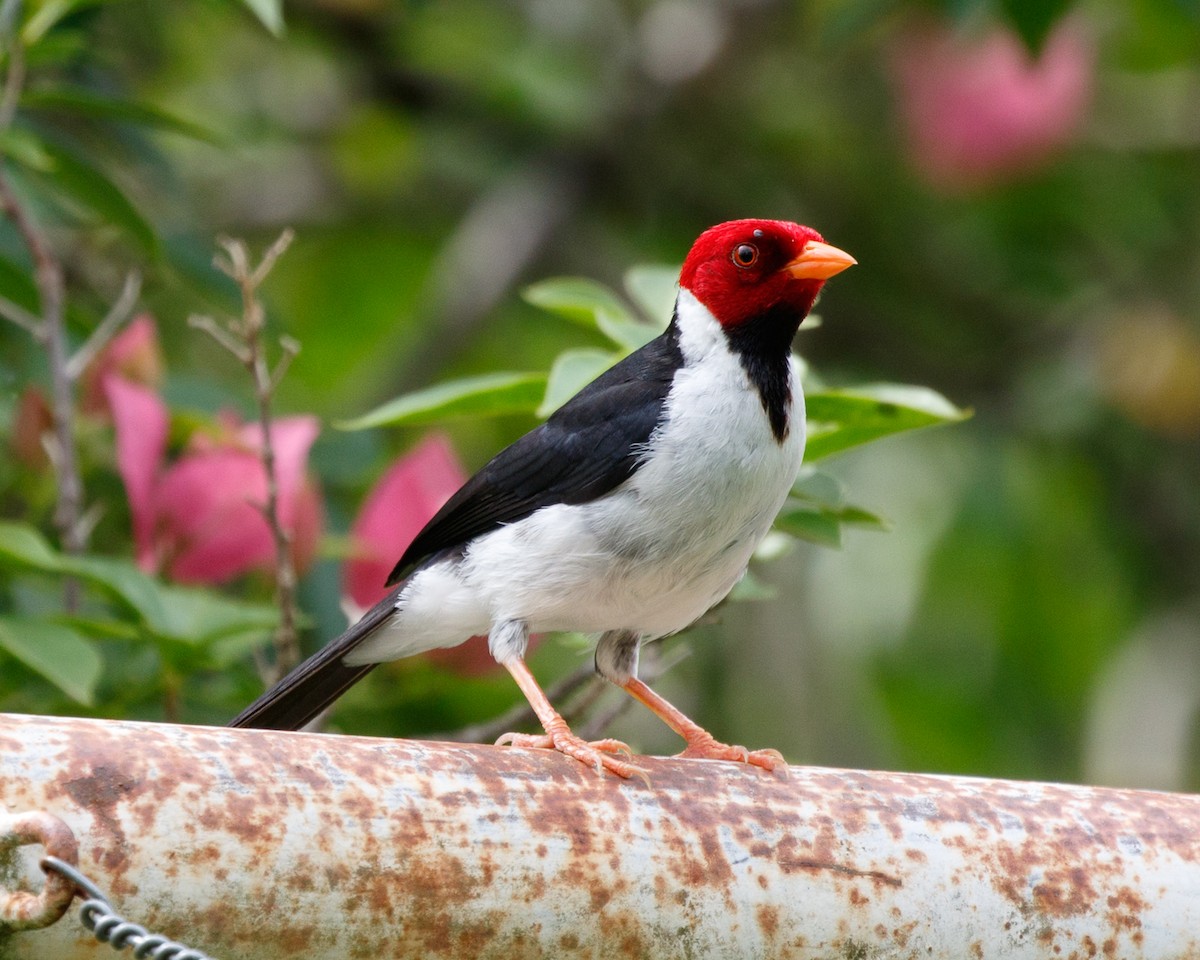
(742, 269)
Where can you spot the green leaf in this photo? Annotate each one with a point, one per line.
(87, 186)
(572, 370)
(490, 394)
(825, 526)
(816, 526)
(269, 13)
(819, 488)
(841, 419)
(858, 517)
(750, 588)
(55, 651)
(142, 594)
(25, 148)
(87, 104)
(197, 616)
(592, 304)
(48, 14)
(98, 628)
(187, 615)
(627, 334)
(27, 547)
(24, 545)
(653, 288)
(817, 511)
(577, 299)
(235, 647)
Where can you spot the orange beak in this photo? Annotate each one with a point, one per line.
(819, 261)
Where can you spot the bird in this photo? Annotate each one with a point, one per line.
(627, 514)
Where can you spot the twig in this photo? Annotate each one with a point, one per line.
(117, 314)
(243, 338)
(222, 336)
(50, 330)
(17, 314)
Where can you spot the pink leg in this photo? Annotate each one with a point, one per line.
(597, 754)
(700, 743)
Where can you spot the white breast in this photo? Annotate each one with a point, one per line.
(652, 555)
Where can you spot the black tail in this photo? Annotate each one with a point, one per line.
(318, 681)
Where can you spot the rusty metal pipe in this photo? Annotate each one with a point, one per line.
(252, 845)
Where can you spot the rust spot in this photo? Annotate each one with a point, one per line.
(99, 792)
(1065, 893)
(768, 920)
(902, 933)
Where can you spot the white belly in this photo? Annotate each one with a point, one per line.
(649, 557)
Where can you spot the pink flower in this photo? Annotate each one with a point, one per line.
(133, 354)
(981, 110)
(199, 517)
(402, 502)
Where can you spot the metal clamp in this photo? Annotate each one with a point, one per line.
(20, 909)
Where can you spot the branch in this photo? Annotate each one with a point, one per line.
(17, 314)
(117, 314)
(221, 335)
(272, 255)
(51, 331)
(243, 338)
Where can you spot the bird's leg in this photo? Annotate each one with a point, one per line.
(597, 754)
(700, 743)
(617, 660)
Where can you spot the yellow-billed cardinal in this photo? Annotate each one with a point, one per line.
(631, 511)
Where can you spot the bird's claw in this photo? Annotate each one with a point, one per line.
(709, 749)
(597, 754)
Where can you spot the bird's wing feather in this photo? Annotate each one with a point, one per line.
(318, 681)
(587, 447)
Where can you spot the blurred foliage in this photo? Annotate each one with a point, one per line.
(1039, 590)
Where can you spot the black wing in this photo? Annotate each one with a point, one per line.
(587, 447)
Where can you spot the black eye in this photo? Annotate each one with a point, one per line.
(745, 254)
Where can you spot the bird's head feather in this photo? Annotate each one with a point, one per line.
(745, 268)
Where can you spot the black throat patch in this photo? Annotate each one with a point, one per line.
(763, 344)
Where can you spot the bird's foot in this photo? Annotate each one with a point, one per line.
(707, 748)
(597, 754)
